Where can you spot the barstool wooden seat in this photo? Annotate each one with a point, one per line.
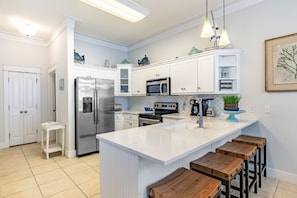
(185, 183)
(245, 152)
(260, 143)
(222, 167)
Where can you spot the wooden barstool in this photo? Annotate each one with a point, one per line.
(260, 143)
(245, 152)
(185, 183)
(222, 167)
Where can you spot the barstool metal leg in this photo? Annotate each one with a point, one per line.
(260, 167)
(241, 183)
(228, 186)
(265, 167)
(255, 174)
(246, 168)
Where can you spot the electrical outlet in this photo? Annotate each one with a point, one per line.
(267, 108)
(252, 108)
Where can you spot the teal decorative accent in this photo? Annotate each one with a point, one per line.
(144, 61)
(78, 58)
(231, 117)
(125, 61)
(194, 50)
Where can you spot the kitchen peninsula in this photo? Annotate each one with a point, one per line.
(132, 159)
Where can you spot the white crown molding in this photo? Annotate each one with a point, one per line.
(22, 39)
(89, 39)
(70, 23)
(191, 24)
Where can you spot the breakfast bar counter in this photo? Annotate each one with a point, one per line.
(132, 159)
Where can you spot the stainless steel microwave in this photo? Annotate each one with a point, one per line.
(158, 87)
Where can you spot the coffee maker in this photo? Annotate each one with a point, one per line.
(195, 107)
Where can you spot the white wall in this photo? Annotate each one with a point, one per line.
(61, 55)
(20, 54)
(247, 30)
(96, 54)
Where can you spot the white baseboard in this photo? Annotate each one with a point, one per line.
(282, 175)
(3, 146)
(70, 153)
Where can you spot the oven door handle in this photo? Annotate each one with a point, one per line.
(150, 120)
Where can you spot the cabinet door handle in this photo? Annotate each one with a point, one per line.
(25, 111)
(21, 112)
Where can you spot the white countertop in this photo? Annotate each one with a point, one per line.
(166, 143)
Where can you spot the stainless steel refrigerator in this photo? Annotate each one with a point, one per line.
(94, 112)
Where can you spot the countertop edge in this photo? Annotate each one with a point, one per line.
(178, 156)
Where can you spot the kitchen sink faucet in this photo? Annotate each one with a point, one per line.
(200, 114)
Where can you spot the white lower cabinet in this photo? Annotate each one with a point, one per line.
(131, 120)
(119, 121)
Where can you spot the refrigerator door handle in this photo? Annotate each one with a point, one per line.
(94, 106)
(98, 106)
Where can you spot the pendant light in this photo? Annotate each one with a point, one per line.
(224, 39)
(207, 29)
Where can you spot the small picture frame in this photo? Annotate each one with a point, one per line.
(281, 63)
(61, 84)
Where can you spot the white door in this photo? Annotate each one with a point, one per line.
(16, 98)
(22, 106)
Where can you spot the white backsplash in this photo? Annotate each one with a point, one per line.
(184, 106)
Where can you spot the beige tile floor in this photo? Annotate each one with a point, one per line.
(24, 172)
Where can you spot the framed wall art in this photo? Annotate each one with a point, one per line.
(281, 63)
(61, 84)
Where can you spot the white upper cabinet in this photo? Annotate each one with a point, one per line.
(206, 74)
(124, 79)
(183, 76)
(227, 67)
(161, 71)
(139, 82)
(210, 72)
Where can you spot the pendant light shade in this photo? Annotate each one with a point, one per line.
(224, 39)
(207, 30)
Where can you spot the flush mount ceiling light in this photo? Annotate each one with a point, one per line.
(124, 9)
(207, 29)
(27, 29)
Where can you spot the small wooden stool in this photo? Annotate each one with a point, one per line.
(185, 183)
(260, 143)
(245, 152)
(222, 167)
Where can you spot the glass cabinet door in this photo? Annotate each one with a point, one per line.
(124, 80)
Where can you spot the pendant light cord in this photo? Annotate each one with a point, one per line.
(224, 13)
(206, 8)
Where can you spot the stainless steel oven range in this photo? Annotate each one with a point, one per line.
(160, 108)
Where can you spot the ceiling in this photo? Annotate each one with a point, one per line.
(48, 15)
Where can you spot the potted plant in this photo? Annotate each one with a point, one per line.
(231, 102)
